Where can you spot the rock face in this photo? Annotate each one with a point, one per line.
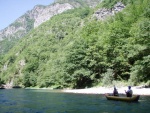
(103, 13)
(45, 13)
(32, 19)
(16, 29)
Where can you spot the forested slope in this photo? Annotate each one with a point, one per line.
(76, 50)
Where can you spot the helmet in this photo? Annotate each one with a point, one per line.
(129, 87)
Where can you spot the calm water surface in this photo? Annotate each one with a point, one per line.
(47, 101)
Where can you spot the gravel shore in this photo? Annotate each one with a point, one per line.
(103, 90)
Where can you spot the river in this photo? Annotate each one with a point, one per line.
(51, 101)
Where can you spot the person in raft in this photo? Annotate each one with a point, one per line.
(129, 92)
(115, 92)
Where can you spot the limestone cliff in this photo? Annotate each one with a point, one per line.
(45, 13)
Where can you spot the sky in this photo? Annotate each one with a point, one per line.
(10, 10)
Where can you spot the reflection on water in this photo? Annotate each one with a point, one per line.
(50, 101)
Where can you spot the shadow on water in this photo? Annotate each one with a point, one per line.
(54, 101)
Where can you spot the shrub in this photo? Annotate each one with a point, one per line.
(108, 77)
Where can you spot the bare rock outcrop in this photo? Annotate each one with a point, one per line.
(103, 13)
(45, 13)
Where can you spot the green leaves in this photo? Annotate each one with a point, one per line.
(141, 31)
(140, 70)
(108, 77)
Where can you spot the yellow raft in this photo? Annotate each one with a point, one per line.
(134, 98)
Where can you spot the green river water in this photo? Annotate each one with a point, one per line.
(53, 101)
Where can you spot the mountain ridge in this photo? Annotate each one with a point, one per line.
(37, 15)
(32, 19)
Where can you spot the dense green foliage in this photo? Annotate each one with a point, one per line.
(6, 45)
(74, 50)
(111, 3)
